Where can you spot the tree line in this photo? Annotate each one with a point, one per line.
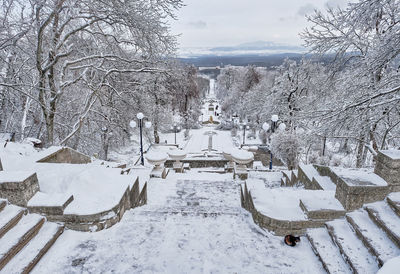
(75, 72)
(351, 102)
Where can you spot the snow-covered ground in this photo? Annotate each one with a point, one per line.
(193, 223)
(61, 180)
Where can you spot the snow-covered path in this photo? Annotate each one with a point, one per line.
(199, 140)
(188, 226)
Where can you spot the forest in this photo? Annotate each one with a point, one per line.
(75, 72)
(339, 112)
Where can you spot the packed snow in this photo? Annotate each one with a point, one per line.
(193, 223)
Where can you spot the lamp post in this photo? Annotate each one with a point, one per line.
(175, 128)
(244, 126)
(133, 124)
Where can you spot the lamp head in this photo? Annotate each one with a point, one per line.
(274, 118)
(147, 124)
(265, 126)
(132, 124)
(140, 116)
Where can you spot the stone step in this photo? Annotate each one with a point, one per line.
(352, 249)
(324, 182)
(284, 182)
(49, 204)
(191, 210)
(16, 239)
(393, 200)
(383, 215)
(287, 177)
(306, 173)
(327, 251)
(373, 237)
(28, 257)
(323, 206)
(295, 174)
(9, 217)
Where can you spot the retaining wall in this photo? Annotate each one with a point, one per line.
(66, 155)
(19, 193)
(279, 227)
(389, 169)
(131, 198)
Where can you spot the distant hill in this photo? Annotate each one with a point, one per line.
(259, 46)
(241, 60)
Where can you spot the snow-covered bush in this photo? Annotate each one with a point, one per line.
(285, 146)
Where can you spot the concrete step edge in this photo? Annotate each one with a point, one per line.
(43, 251)
(11, 223)
(32, 232)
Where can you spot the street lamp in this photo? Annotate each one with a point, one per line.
(175, 128)
(244, 126)
(133, 124)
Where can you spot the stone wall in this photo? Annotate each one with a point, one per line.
(353, 197)
(200, 163)
(131, 198)
(326, 171)
(307, 182)
(51, 210)
(19, 193)
(66, 155)
(389, 169)
(279, 227)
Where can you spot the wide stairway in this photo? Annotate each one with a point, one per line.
(362, 241)
(24, 238)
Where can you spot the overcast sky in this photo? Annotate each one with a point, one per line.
(210, 23)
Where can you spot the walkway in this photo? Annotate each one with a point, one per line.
(199, 140)
(189, 226)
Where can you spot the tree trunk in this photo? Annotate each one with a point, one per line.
(360, 151)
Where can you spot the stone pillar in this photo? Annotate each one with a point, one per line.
(388, 167)
(1, 166)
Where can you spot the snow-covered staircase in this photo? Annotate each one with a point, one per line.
(362, 241)
(24, 238)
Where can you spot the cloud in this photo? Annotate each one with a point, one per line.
(198, 24)
(306, 9)
(335, 3)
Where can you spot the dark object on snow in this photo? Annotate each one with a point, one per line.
(7, 137)
(291, 240)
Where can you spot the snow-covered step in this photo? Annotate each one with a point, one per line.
(324, 182)
(393, 200)
(17, 237)
(322, 206)
(30, 255)
(9, 217)
(284, 181)
(287, 176)
(327, 251)
(353, 250)
(373, 237)
(383, 215)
